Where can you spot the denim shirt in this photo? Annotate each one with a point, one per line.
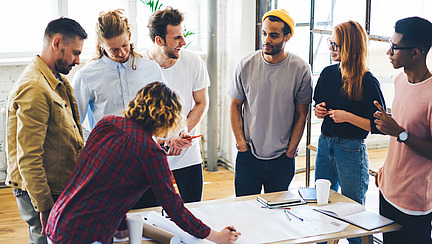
(105, 87)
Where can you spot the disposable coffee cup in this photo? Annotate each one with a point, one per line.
(135, 227)
(322, 191)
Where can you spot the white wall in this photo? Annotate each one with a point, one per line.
(236, 38)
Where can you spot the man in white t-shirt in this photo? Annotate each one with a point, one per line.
(271, 92)
(186, 73)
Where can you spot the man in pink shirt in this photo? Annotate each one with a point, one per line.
(405, 180)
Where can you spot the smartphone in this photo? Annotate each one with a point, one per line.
(166, 148)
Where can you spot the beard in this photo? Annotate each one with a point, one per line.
(276, 48)
(62, 66)
(170, 53)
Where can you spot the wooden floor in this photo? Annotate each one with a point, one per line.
(218, 184)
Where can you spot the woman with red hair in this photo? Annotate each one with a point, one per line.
(344, 97)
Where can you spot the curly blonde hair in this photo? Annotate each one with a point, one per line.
(158, 108)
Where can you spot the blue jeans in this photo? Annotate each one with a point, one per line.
(253, 173)
(344, 162)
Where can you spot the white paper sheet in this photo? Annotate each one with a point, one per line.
(256, 224)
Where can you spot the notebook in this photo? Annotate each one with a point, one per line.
(355, 214)
(284, 200)
(308, 194)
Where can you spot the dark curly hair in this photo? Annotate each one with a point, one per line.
(160, 19)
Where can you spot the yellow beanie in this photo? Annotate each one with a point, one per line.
(283, 15)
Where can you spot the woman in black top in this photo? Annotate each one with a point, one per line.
(344, 98)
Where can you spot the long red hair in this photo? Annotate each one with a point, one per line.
(352, 40)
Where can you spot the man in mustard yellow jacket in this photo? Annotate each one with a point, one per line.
(44, 133)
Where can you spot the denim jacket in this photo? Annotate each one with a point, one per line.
(44, 134)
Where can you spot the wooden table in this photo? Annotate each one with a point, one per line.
(332, 238)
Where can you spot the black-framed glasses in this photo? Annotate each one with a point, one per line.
(394, 47)
(333, 45)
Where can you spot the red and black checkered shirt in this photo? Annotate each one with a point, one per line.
(118, 164)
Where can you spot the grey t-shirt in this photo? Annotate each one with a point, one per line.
(270, 92)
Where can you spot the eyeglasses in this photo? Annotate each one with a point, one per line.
(333, 45)
(394, 47)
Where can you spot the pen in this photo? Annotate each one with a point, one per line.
(192, 137)
(287, 214)
(287, 211)
(230, 228)
(274, 207)
(282, 207)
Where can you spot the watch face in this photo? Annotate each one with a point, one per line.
(403, 136)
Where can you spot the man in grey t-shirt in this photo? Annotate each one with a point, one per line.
(271, 92)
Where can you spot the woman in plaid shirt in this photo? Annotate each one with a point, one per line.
(120, 161)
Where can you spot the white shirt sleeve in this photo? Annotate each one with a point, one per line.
(82, 96)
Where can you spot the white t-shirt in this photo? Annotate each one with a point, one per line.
(187, 75)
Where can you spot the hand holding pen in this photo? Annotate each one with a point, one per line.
(174, 146)
(192, 137)
(226, 235)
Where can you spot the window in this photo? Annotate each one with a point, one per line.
(26, 20)
(382, 22)
(23, 23)
(329, 13)
(88, 16)
(195, 13)
(300, 12)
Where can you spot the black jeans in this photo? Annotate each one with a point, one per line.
(189, 181)
(253, 173)
(415, 229)
(147, 200)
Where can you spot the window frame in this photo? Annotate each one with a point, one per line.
(62, 7)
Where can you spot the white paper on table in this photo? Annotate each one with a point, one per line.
(256, 224)
(262, 225)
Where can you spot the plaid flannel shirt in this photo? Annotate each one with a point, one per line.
(118, 164)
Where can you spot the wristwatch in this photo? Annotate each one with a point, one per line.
(403, 136)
